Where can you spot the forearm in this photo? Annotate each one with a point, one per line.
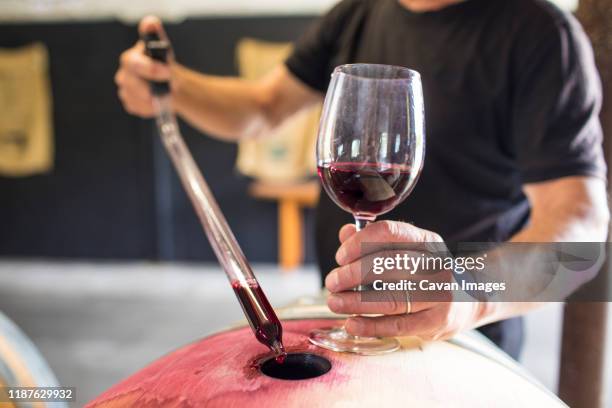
(576, 213)
(228, 108)
(225, 107)
(588, 224)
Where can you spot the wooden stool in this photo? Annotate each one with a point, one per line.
(291, 199)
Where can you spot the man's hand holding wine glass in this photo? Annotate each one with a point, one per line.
(430, 317)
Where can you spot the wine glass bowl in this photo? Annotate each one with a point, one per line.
(370, 152)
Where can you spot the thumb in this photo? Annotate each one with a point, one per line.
(152, 24)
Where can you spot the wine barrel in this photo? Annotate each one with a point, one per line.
(21, 365)
(231, 369)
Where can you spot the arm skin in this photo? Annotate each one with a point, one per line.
(234, 108)
(228, 108)
(569, 209)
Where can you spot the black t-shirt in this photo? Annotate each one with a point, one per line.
(511, 93)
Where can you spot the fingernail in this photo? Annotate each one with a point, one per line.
(329, 284)
(335, 302)
(332, 282)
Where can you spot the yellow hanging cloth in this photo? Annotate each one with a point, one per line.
(26, 131)
(287, 155)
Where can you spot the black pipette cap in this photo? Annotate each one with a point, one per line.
(157, 49)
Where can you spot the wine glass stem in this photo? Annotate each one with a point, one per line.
(361, 222)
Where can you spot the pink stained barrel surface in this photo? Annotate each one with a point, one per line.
(223, 370)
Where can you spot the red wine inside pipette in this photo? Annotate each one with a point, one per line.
(261, 316)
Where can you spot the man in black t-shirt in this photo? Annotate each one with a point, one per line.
(514, 151)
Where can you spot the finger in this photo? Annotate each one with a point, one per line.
(139, 64)
(350, 276)
(418, 324)
(346, 232)
(135, 87)
(382, 232)
(133, 107)
(361, 272)
(149, 25)
(343, 278)
(386, 303)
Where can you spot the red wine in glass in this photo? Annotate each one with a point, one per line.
(258, 310)
(368, 189)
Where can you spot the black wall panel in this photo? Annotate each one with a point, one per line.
(112, 193)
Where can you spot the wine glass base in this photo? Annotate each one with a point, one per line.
(337, 339)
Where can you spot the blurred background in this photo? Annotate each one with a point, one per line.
(103, 263)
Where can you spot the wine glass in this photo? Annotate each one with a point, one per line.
(370, 151)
